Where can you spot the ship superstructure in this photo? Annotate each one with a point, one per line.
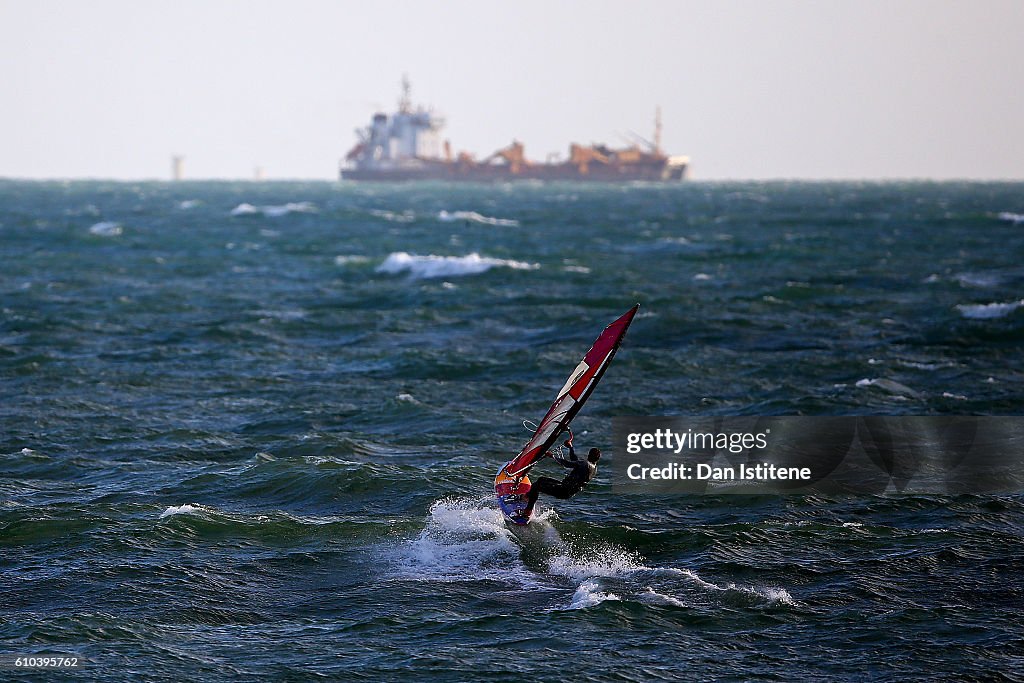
(407, 145)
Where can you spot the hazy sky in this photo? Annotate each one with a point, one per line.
(756, 89)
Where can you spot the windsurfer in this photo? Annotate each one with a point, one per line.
(580, 472)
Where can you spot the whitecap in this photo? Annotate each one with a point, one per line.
(1014, 218)
(701, 277)
(989, 311)
(653, 597)
(186, 509)
(274, 211)
(432, 266)
(345, 259)
(576, 269)
(403, 217)
(106, 229)
(189, 204)
(588, 594)
(891, 386)
(474, 217)
(244, 210)
(979, 280)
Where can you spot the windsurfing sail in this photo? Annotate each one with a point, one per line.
(573, 395)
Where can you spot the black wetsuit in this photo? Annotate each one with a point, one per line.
(581, 472)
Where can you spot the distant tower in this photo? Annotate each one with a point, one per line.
(177, 167)
(657, 130)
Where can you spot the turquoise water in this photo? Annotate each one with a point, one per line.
(248, 430)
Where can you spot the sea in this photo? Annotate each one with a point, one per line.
(248, 430)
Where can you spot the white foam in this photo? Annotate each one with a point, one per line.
(474, 217)
(463, 540)
(189, 204)
(655, 598)
(589, 594)
(403, 217)
(1014, 218)
(576, 269)
(274, 211)
(106, 229)
(989, 311)
(772, 594)
(597, 561)
(186, 509)
(432, 266)
(345, 259)
(244, 210)
(701, 276)
(892, 386)
(980, 280)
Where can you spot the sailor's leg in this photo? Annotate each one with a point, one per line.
(542, 485)
(561, 490)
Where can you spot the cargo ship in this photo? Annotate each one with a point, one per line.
(408, 145)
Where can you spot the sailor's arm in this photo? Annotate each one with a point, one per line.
(566, 461)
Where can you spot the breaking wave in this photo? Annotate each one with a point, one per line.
(432, 266)
(474, 217)
(272, 211)
(889, 385)
(466, 539)
(186, 509)
(106, 229)
(989, 311)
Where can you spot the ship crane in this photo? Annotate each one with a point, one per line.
(514, 155)
(581, 157)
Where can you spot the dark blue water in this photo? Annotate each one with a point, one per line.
(248, 431)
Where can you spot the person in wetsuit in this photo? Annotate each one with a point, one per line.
(581, 471)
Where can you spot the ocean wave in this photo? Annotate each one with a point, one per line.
(989, 311)
(474, 217)
(186, 509)
(345, 259)
(891, 386)
(394, 217)
(274, 211)
(432, 266)
(464, 540)
(1014, 218)
(602, 560)
(589, 594)
(106, 229)
(633, 579)
(979, 280)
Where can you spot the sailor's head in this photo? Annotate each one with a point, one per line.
(594, 455)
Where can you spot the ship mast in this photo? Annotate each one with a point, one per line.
(657, 130)
(405, 103)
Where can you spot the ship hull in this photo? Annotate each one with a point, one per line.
(502, 173)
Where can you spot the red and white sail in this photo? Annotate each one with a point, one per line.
(573, 395)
